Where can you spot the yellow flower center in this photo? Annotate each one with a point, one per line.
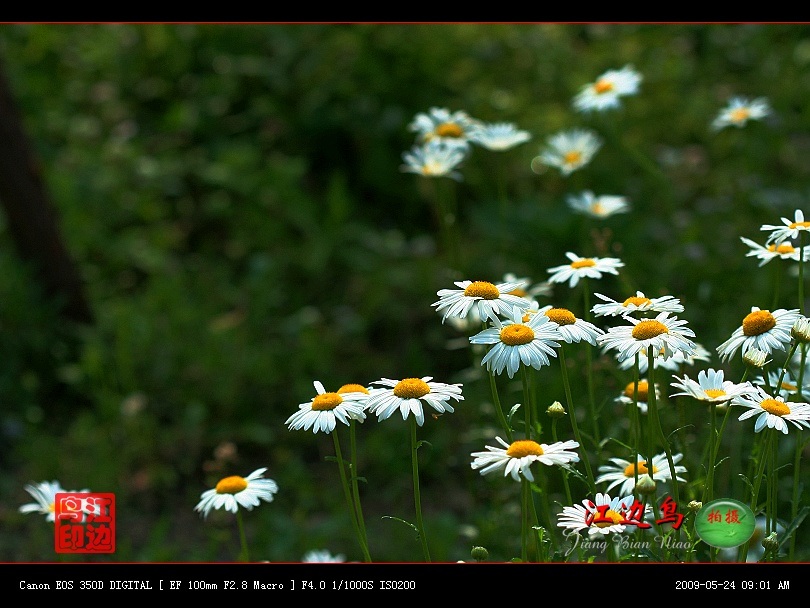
(597, 208)
(586, 263)
(561, 316)
(758, 322)
(784, 248)
(602, 86)
(521, 293)
(327, 401)
(52, 507)
(613, 516)
(411, 388)
(433, 168)
(799, 225)
(643, 389)
(449, 129)
(739, 115)
(637, 300)
(775, 407)
(353, 388)
(714, 392)
(482, 289)
(524, 447)
(572, 157)
(630, 469)
(516, 334)
(789, 387)
(650, 328)
(231, 485)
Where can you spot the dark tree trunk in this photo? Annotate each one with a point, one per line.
(32, 220)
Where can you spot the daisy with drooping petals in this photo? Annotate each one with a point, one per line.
(498, 136)
(664, 334)
(773, 412)
(600, 517)
(325, 409)
(569, 150)
(604, 93)
(789, 386)
(623, 473)
(739, 111)
(515, 459)
(710, 387)
(517, 342)
(433, 159)
(44, 495)
(580, 267)
(636, 303)
(233, 492)
(409, 395)
(572, 328)
(491, 299)
(761, 329)
(443, 126)
(600, 207)
(790, 229)
(529, 290)
(639, 394)
(766, 253)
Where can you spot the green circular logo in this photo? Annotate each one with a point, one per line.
(725, 523)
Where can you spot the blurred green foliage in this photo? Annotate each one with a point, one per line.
(233, 197)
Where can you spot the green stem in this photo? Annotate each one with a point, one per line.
(416, 494)
(652, 408)
(527, 405)
(348, 495)
(355, 489)
(524, 519)
(764, 458)
(504, 423)
(574, 425)
(243, 555)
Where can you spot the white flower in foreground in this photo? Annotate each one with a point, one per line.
(233, 492)
(515, 459)
(322, 556)
(789, 229)
(572, 328)
(44, 494)
(325, 409)
(600, 517)
(517, 341)
(606, 91)
(773, 412)
(570, 150)
(761, 329)
(600, 207)
(440, 125)
(592, 268)
(490, 299)
(498, 136)
(409, 395)
(782, 251)
(636, 303)
(433, 159)
(710, 387)
(663, 334)
(623, 473)
(740, 110)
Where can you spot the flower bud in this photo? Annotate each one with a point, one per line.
(645, 485)
(801, 330)
(770, 542)
(479, 554)
(756, 358)
(695, 506)
(556, 410)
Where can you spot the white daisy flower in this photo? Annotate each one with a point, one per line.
(498, 136)
(44, 494)
(636, 303)
(773, 412)
(325, 409)
(641, 394)
(491, 299)
(622, 473)
(442, 126)
(233, 492)
(710, 387)
(583, 268)
(600, 517)
(789, 385)
(515, 459)
(766, 253)
(673, 363)
(761, 329)
(605, 205)
(740, 110)
(518, 341)
(529, 290)
(790, 229)
(605, 91)
(572, 328)
(433, 159)
(409, 395)
(663, 334)
(322, 556)
(569, 150)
